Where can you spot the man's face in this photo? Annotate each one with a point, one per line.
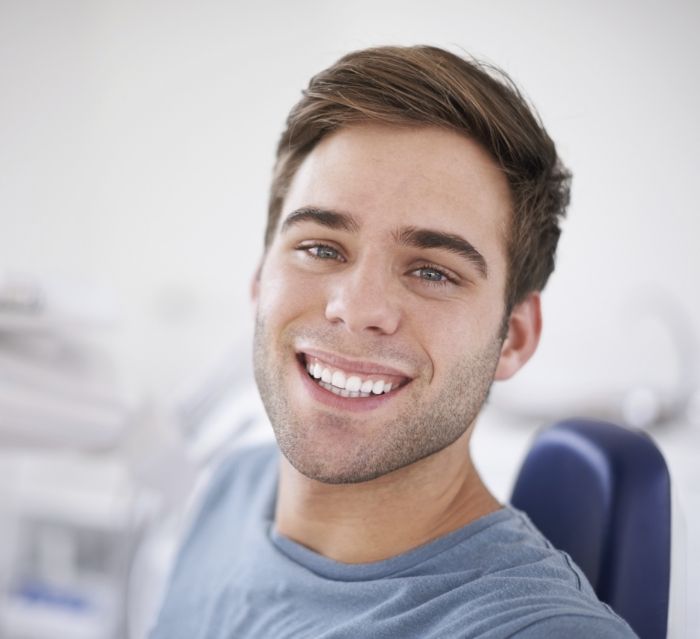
(380, 301)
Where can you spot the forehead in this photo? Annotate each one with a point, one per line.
(389, 176)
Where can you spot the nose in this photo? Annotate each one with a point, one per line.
(364, 298)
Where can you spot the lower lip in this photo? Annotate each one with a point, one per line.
(357, 404)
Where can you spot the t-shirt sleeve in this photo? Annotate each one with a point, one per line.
(577, 627)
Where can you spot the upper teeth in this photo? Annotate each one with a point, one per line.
(341, 380)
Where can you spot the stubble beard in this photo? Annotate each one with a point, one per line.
(421, 428)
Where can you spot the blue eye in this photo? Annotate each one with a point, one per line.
(431, 274)
(324, 252)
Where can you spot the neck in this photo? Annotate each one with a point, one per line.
(384, 517)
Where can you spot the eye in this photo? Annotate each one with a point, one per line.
(321, 252)
(432, 276)
(324, 252)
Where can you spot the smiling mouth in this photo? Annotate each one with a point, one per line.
(350, 384)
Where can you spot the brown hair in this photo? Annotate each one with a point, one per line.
(429, 86)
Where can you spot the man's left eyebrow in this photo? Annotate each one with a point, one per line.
(429, 239)
(324, 217)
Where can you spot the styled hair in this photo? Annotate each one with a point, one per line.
(425, 85)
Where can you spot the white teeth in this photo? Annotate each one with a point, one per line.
(345, 385)
(353, 384)
(343, 392)
(338, 379)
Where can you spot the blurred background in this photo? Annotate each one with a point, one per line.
(136, 145)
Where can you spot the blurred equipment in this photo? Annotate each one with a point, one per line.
(72, 507)
(602, 493)
(70, 525)
(97, 485)
(58, 386)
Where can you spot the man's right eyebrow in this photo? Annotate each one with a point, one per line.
(324, 217)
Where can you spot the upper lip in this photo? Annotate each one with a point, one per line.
(351, 365)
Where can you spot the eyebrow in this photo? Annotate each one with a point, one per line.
(408, 236)
(429, 239)
(329, 219)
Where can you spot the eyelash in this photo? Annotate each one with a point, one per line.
(308, 248)
(446, 277)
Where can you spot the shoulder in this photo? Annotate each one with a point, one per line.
(243, 477)
(232, 514)
(516, 546)
(236, 492)
(529, 588)
(235, 504)
(246, 465)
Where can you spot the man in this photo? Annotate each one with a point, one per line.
(413, 221)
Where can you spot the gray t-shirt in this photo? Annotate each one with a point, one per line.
(237, 578)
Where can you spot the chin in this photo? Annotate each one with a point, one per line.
(334, 461)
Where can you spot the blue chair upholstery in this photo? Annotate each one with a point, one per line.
(602, 493)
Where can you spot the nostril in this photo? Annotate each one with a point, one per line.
(364, 313)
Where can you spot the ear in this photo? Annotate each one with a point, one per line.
(524, 329)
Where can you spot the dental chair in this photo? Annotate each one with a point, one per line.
(602, 493)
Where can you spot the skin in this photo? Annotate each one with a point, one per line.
(361, 485)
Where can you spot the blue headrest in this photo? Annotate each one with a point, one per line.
(602, 493)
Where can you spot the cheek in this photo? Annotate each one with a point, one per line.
(452, 332)
(285, 294)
